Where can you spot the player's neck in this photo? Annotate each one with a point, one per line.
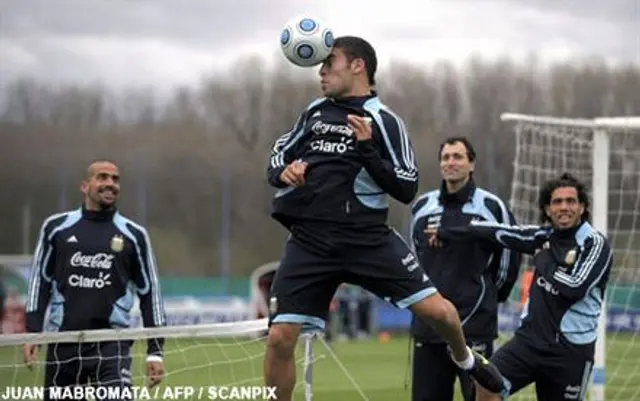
(358, 90)
(455, 186)
(90, 207)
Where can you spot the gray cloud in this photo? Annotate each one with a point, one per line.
(146, 41)
(205, 23)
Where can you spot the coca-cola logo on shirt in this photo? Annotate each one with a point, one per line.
(97, 261)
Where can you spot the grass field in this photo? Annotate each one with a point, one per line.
(379, 370)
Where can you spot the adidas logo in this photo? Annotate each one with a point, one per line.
(72, 239)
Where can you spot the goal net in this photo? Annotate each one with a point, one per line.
(604, 153)
(202, 361)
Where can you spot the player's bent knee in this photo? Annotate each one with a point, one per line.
(433, 308)
(283, 337)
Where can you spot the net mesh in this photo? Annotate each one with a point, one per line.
(221, 354)
(545, 150)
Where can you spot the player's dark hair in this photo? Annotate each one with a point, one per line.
(355, 47)
(471, 153)
(565, 180)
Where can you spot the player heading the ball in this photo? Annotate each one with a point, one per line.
(334, 171)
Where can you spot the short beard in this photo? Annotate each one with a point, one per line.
(103, 206)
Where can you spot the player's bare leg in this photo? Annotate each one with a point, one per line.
(444, 318)
(483, 395)
(279, 360)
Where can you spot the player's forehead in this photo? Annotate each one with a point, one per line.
(102, 168)
(564, 193)
(453, 148)
(337, 53)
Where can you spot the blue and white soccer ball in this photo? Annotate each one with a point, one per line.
(306, 41)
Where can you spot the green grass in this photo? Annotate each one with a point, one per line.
(380, 370)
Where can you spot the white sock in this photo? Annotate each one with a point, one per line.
(467, 363)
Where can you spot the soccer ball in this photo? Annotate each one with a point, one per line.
(306, 41)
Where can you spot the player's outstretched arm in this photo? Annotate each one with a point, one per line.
(393, 168)
(39, 291)
(505, 265)
(145, 275)
(580, 271)
(519, 238)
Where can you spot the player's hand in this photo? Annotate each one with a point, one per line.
(293, 174)
(30, 354)
(155, 372)
(432, 237)
(361, 127)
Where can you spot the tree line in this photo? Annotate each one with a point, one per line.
(193, 163)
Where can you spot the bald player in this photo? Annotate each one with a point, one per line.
(88, 266)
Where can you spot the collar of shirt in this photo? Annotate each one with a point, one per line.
(98, 215)
(464, 195)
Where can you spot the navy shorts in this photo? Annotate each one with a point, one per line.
(306, 282)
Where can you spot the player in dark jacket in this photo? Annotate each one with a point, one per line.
(335, 170)
(475, 275)
(555, 345)
(88, 266)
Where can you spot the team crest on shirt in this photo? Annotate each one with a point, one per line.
(570, 257)
(117, 243)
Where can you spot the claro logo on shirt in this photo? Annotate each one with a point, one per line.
(80, 281)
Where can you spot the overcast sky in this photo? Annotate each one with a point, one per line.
(165, 42)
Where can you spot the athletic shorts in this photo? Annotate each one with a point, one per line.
(106, 364)
(305, 282)
(558, 374)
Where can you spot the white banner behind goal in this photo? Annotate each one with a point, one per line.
(605, 154)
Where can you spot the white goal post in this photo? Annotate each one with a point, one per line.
(547, 146)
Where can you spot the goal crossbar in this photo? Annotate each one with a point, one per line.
(594, 123)
(230, 329)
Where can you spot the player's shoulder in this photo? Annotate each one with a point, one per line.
(315, 103)
(426, 198)
(66, 218)
(589, 234)
(129, 226)
(377, 107)
(488, 195)
(490, 200)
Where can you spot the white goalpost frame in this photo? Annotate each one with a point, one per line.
(600, 206)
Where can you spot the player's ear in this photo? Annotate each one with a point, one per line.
(547, 211)
(358, 65)
(84, 187)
